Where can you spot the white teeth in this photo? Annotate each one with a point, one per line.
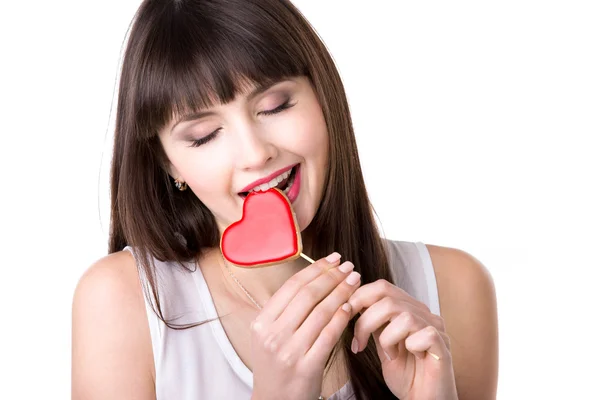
(289, 186)
(287, 189)
(274, 182)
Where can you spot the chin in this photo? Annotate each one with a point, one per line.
(304, 215)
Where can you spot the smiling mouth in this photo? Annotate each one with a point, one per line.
(284, 185)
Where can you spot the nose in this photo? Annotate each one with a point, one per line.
(254, 150)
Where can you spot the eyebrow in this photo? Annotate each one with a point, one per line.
(201, 114)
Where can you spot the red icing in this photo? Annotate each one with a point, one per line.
(266, 234)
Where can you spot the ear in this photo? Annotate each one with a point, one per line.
(166, 164)
(171, 170)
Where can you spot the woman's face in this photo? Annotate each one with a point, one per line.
(231, 148)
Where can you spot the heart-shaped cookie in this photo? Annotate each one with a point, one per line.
(267, 233)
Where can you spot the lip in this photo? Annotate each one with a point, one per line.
(267, 179)
(295, 189)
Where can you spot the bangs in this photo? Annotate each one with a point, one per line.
(194, 61)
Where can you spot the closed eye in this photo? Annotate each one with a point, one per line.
(205, 139)
(211, 136)
(279, 109)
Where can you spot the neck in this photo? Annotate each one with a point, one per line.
(260, 282)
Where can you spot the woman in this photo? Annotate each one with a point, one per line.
(217, 99)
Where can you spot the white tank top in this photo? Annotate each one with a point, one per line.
(201, 363)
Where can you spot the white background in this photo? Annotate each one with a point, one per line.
(477, 127)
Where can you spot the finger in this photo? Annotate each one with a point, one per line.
(396, 332)
(328, 337)
(310, 298)
(377, 317)
(281, 299)
(321, 316)
(371, 293)
(428, 343)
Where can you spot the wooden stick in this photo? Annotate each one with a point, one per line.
(307, 258)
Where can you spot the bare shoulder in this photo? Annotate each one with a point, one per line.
(111, 346)
(468, 306)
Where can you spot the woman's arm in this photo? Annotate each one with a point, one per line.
(468, 307)
(111, 346)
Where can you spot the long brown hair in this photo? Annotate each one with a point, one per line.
(184, 55)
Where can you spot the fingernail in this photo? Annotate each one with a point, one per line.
(347, 266)
(353, 278)
(346, 307)
(333, 257)
(387, 356)
(354, 347)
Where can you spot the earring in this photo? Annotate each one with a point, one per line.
(181, 185)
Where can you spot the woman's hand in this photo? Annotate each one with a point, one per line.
(297, 329)
(420, 365)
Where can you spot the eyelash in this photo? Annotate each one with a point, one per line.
(208, 138)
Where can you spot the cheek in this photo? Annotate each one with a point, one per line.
(203, 172)
(309, 137)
